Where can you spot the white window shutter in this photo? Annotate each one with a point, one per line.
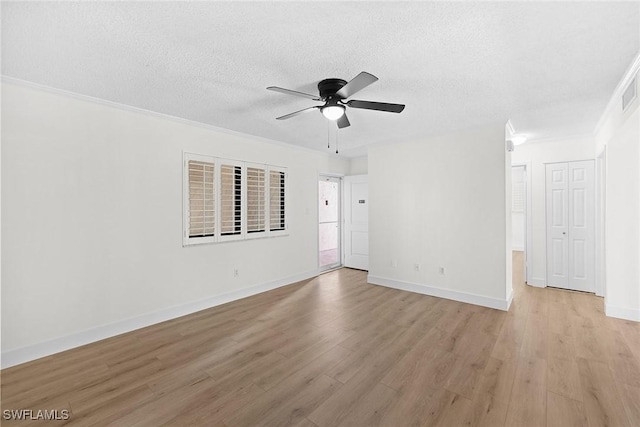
(277, 219)
(256, 199)
(201, 214)
(230, 199)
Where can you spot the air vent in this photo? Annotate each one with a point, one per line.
(629, 94)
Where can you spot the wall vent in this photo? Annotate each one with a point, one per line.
(629, 94)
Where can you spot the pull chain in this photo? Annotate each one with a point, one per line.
(328, 134)
(336, 142)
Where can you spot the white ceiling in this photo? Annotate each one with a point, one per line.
(550, 67)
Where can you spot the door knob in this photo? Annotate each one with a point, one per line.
(564, 232)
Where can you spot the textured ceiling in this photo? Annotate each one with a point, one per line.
(550, 67)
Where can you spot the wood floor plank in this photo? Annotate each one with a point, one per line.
(527, 406)
(213, 411)
(486, 410)
(497, 379)
(601, 398)
(564, 412)
(371, 408)
(418, 405)
(561, 346)
(289, 393)
(624, 365)
(536, 338)
(563, 378)
(631, 400)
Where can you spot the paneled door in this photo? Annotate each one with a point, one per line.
(570, 206)
(356, 222)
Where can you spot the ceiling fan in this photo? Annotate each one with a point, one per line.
(334, 92)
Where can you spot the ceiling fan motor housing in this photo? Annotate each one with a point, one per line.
(329, 87)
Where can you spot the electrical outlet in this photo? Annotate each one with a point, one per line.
(442, 271)
(416, 267)
(236, 273)
(394, 263)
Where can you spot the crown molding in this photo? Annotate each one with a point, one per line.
(617, 94)
(129, 108)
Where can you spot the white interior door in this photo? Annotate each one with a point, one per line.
(356, 222)
(570, 199)
(557, 225)
(582, 226)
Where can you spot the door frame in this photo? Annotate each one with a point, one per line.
(528, 239)
(601, 231)
(340, 221)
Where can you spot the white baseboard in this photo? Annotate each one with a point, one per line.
(537, 282)
(622, 312)
(35, 351)
(496, 303)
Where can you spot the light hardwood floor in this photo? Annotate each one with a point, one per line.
(336, 351)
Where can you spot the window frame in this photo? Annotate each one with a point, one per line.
(218, 162)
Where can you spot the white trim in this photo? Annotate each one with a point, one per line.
(125, 107)
(601, 231)
(616, 98)
(35, 351)
(496, 303)
(622, 312)
(537, 282)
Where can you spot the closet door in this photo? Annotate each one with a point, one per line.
(557, 200)
(570, 219)
(582, 226)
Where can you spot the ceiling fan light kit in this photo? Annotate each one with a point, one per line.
(334, 92)
(333, 112)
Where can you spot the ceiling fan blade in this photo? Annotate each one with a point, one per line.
(358, 83)
(288, 116)
(380, 106)
(343, 121)
(294, 93)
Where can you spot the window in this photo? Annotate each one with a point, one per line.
(231, 200)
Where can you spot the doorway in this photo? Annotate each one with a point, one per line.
(521, 220)
(329, 230)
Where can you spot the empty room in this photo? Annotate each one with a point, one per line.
(320, 214)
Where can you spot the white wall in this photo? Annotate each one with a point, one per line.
(442, 202)
(359, 166)
(92, 216)
(620, 133)
(539, 153)
(517, 217)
